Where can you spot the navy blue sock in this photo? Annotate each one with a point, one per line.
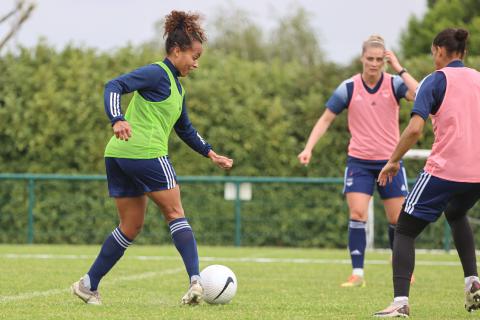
(391, 232)
(112, 250)
(184, 240)
(357, 241)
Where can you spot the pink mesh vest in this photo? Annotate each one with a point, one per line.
(373, 121)
(456, 150)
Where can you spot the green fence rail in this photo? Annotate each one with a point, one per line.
(33, 179)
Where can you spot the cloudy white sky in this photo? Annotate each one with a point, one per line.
(341, 25)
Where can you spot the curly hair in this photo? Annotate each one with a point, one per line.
(181, 28)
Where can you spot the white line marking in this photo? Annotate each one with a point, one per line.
(34, 294)
(213, 259)
(31, 295)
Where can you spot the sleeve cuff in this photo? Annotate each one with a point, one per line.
(419, 114)
(119, 118)
(206, 151)
(337, 112)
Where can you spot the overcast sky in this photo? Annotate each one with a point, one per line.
(341, 25)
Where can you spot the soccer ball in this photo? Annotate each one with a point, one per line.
(219, 284)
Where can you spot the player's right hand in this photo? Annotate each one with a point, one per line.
(122, 130)
(304, 157)
(389, 171)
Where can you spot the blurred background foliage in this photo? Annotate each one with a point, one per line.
(255, 98)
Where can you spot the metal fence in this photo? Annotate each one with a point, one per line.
(261, 208)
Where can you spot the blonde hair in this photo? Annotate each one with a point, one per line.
(375, 41)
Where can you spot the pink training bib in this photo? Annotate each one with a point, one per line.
(373, 121)
(456, 150)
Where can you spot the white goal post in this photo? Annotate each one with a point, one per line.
(415, 154)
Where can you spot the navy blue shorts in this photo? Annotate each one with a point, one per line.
(361, 176)
(135, 177)
(431, 195)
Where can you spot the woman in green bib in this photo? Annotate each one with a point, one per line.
(136, 157)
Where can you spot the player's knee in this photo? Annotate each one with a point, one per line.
(173, 213)
(453, 214)
(358, 215)
(409, 225)
(392, 219)
(131, 230)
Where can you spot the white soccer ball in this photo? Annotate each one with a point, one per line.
(219, 284)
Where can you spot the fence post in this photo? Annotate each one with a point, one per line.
(31, 204)
(446, 236)
(371, 224)
(238, 215)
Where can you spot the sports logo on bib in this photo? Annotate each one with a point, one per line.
(385, 93)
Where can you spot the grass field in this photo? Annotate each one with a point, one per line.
(273, 283)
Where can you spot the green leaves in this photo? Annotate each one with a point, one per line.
(254, 100)
(418, 37)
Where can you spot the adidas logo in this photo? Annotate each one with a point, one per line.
(355, 253)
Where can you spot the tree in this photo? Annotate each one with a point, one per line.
(238, 35)
(234, 33)
(294, 39)
(417, 39)
(20, 14)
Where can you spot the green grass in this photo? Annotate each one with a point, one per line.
(280, 288)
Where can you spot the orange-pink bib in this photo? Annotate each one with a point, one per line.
(373, 121)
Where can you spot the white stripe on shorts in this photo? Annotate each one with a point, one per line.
(405, 177)
(165, 173)
(169, 169)
(168, 172)
(345, 179)
(414, 191)
(413, 197)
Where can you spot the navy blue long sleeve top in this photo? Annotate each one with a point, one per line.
(152, 83)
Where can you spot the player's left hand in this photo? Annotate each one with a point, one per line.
(389, 171)
(221, 161)
(393, 60)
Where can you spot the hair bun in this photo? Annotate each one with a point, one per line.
(461, 34)
(376, 39)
